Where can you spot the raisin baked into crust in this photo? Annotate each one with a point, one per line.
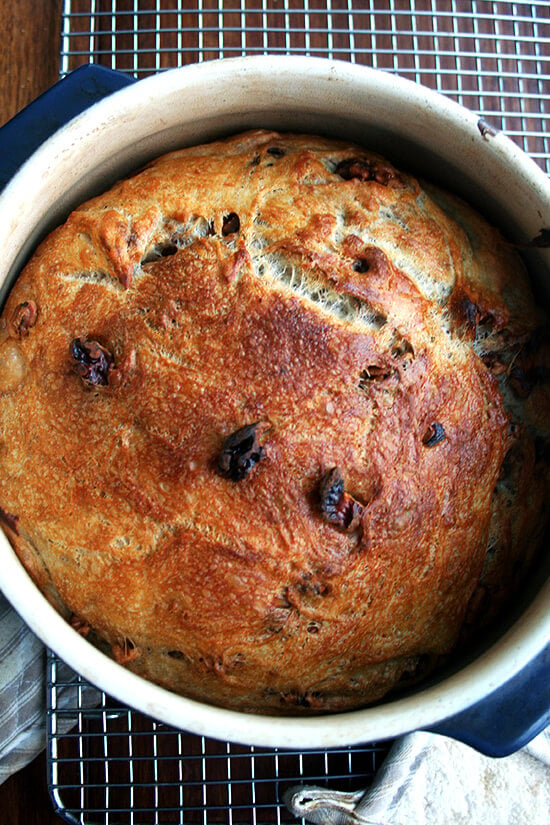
(273, 422)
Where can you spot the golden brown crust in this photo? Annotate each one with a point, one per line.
(304, 286)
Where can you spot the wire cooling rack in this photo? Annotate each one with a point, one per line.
(492, 57)
(108, 765)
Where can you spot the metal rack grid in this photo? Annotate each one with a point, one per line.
(492, 57)
(108, 764)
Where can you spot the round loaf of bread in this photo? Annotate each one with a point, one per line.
(274, 422)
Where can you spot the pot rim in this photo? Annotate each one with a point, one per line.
(476, 680)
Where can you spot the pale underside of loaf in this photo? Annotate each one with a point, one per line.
(365, 323)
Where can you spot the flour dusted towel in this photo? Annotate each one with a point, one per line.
(23, 694)
(429, 779)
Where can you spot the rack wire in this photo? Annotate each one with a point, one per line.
(108, 765)
(492, 57)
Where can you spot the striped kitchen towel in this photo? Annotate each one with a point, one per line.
(23, 694)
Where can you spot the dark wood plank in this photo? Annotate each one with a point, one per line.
(24, 798)
(29, 57)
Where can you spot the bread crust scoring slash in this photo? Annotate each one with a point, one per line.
(273, 418)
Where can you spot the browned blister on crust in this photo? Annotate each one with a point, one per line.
(255, 404)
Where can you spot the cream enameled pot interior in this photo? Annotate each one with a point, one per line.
(414, 127)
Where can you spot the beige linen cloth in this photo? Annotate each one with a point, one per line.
(429, 779)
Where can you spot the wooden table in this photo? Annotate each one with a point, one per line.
(29, 64)
(29, 58)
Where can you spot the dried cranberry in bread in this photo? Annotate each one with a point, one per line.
(274, 422)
